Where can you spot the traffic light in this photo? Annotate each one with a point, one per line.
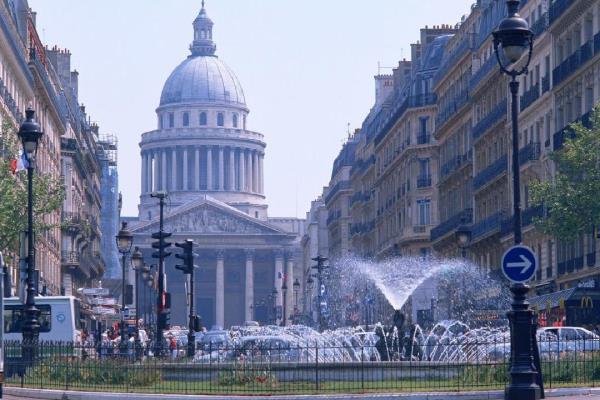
(164, 320)
(161, 245)
(187, 257)
(197, 323)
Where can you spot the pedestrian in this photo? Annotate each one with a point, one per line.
(173, 347)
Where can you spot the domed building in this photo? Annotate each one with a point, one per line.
(211, 166)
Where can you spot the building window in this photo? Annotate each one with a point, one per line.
(160, 122)
(235, 120)
(424, 207)
(171, 120)
(202, 118)
(186, 119)
(220, 119)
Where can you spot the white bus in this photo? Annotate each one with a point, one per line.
(58, 316)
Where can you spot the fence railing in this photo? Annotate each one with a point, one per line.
(273, 366)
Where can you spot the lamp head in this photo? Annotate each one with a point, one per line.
(30, 134)
(513, 35)
(124, 239)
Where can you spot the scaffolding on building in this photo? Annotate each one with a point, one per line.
(107, 145)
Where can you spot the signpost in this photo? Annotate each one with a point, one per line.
(519, 264)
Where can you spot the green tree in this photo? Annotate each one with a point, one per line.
(573, 196)
(48, 193)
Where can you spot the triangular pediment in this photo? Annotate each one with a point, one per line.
(212, 217)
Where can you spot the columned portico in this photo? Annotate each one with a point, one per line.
(144, 173)
(278, 279)
(289, 277)
(255, 178)
(221, 169)
(197, 168)
(174, 169)
(231, 186)
(220, 289)
(209, 169)
(242, 171)
(185, 170)
(163, 185)
(249, 289)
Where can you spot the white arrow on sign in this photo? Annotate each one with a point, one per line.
(525, 264)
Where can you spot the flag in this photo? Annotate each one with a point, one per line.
(22, 163)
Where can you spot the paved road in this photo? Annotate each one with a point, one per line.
(368, 397)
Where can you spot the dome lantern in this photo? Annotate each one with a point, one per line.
(203, 44)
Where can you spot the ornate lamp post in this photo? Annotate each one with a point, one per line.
(284, 290)
(463, 236)
(320, 267)
(124, 241)
(512, 40)
(274, 297)
(310, 284)
(30, 134)
(137, 262)
(296, 291)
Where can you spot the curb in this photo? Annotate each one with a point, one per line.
(488, 395)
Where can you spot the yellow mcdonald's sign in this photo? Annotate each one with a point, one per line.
(587, 302)
(548, 305)
(561, 304)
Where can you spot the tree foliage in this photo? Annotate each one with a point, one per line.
(48, 193)
(572, 198)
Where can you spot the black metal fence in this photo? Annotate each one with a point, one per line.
(285, 368)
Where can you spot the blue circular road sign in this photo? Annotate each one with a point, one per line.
(519, 264)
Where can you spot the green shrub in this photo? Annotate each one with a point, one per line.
(93, 372)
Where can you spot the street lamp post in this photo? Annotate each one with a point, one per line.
(320, 267)
(310, 284)
(284, 290)
(30, 134)
(513, 39)
(296, 291)
(274, 296)
(463, 236)
(124, 241)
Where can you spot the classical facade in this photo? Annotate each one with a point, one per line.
(211, 166)
(471, 134)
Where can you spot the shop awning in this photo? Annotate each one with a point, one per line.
(551, 300)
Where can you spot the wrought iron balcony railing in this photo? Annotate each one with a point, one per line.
(424, 181)
(530, 96)
(495, 116)
(559, 137)
(491, 64)
(487, 225)
(423, 139)
(557, 8)
(530, 152)
(492, 171)
(528, 217)
(463, 217)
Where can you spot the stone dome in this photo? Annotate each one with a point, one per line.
(202, 79)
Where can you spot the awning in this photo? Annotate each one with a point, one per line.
(551, 300)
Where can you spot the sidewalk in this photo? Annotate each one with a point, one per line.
(23, 394)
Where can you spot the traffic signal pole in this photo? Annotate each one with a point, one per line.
(188, 269)
(161, 254)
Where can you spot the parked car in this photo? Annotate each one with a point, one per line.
(567, 339)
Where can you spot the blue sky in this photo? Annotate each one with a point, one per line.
(306, 67)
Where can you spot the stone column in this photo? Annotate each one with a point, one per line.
(174, 169)
(156, 171)
(278, 279)
(197, 168)
(164, 171)
(255, 172)
(289, 276)
(242, 172)
(144, 173)
(149, 175)
(249, 172)
(221, 169)
(186, 185)
(261, 176)
(209, 172)
(220, 289)
(231, 169)
(249, 292)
